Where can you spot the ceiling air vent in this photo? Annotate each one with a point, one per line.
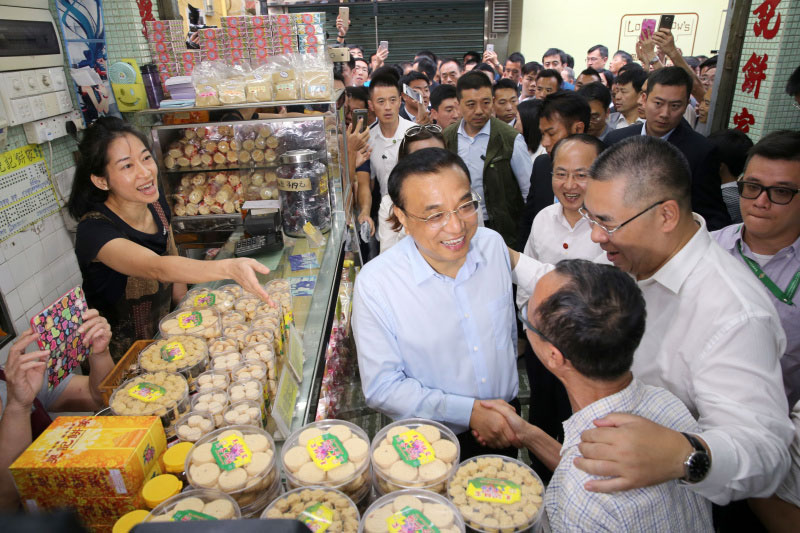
(501, 16)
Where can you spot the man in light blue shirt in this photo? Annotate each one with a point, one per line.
(433, 316)
(495, 154)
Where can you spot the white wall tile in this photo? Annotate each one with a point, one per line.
(52, 246)
(20, 269)
(35, 255)
(14, 304)
(29, 294)
(6, 280)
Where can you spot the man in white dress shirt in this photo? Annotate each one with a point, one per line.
(713, 338)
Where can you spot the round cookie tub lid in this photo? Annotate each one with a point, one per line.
(175, 457)
(482, 497)
(311, 488)
(127, 521)
(425, 496)
(323, 425)
(206, 495)
(425, 447)
(152, 407)
(160, 488)
(245, 430)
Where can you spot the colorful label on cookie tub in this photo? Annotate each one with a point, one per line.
(231, 452)
(190, 320)
(485, 489)
(172, 351)
(317, 518)
(327, 452)
(188, 516)
(204, 300)
(413, 448)
(146, 392)
(410, 521)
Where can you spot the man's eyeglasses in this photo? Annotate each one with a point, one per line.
(413, 131)
(590, 218)
(776, 194)
(438, 220)
(522, 315)
(562, 175)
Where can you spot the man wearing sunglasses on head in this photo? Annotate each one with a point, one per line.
(767, 242)
(433, 316)
(712, 338)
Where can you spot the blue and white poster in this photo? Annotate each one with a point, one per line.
(83, 33)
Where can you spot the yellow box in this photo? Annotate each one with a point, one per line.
(79, 458)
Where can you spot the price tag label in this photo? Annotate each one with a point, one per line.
(410, 521)
(146, 392)
(317, 518)
(294, 184)
(327, 451)
(413, 448)
(484, 489)
(172, 351)
(190, 320)
(205, 300)
(231, 452)
(189, 516)
(285, 401)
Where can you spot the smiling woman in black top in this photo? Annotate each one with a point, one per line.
(131, 272)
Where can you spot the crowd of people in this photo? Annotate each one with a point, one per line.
(651, 264)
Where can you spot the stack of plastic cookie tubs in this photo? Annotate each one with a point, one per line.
(196, 504)
(163, 394)
(316, 507)
(414, 453)
(220, 299)
(331, 453)
(186, 354)
(496, 494)
(202, 321)
(405, 510)
(240, 461)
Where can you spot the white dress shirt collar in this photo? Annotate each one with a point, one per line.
(675, 272)
(421, 270)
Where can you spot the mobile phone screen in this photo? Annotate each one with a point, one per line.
(360, 114)
(490, 48)
(412, 94)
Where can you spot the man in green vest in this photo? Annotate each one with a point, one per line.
(495, 153)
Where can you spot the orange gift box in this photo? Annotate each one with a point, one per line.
(96, 464)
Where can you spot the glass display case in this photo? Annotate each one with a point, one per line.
(211, 170)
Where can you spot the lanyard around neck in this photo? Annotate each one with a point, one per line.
(784, 296)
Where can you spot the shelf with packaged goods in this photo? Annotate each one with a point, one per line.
(233, 107)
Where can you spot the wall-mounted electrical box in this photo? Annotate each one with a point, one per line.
(50, 128)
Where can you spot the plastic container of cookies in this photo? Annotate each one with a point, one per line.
(234, 289)
(186, 354)
(250, 370)
(238, 460)
(247, 389)
(265, 310)
(263, 352)
(213, 379)
(427, 508)
(196, 504)
(213, 402)
(248, 305)
(495, 493)
(225, 361)
(193, 426)
(229, 318)
(236, 332)
(202, 321)
(245, 413)
(316, 506)
(219, 299)
(332, 453)
(222, 345)
(164, 394)
(258, 336)
(414, 453)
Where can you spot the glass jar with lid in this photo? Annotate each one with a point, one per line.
(303, 186)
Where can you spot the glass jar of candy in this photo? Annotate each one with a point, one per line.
(303, 186)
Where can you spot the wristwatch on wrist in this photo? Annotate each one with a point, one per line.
(698, 463)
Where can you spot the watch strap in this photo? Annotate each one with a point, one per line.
(695, 442)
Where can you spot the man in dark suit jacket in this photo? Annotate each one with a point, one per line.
(667, 96)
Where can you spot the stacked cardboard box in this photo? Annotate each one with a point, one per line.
(96, 465)
(167, 44)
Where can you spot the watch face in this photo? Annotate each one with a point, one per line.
(698, 466)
